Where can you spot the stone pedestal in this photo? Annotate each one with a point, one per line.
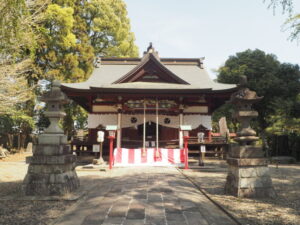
(248, 173)
(51, 169)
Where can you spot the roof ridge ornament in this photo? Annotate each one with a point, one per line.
(151, 50)
(150, 47)
(200, 62)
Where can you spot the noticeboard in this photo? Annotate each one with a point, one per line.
(96, 148)
(202, 148)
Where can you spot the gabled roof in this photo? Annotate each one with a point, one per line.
(150, 64)
(128, 74)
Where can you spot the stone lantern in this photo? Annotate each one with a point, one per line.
(248, 172)
(51, 169)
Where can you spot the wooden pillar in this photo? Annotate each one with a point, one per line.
(157, 145)
(144, 128)
(180, 136)
(111, 146)
(186, 152)
(119, 131)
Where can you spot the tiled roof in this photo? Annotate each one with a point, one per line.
(111, 70)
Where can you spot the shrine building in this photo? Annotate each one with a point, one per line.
(148, 99)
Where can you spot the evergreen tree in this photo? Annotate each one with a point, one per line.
(54, 58)
(15, 30)
(279, 83)
(266, 75)
(58, 39)
(76, 31)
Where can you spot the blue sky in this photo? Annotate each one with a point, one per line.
(214, 29)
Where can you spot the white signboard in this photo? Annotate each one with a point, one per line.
(202, 148)
(147, 143)
(185, 127)
(200, 137)
(152, 143)
(96, 148)
(100, 136)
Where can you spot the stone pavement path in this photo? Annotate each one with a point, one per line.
(145, 195)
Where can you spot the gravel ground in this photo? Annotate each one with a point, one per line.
(282, 210)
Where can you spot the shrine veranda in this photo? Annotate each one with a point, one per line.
(148, 99)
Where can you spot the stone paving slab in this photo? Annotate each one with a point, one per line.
(144, 196)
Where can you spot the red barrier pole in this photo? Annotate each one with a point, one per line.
(186, 157)
(111, 151)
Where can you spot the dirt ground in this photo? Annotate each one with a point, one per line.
(17, 157)
(14, 212)
(282, 210)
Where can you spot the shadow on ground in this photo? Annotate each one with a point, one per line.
(282, 210)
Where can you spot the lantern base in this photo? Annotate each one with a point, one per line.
(99, 161)
(51, 170)
(248, 173)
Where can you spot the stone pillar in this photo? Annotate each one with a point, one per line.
(51, 169)
(248, 172)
